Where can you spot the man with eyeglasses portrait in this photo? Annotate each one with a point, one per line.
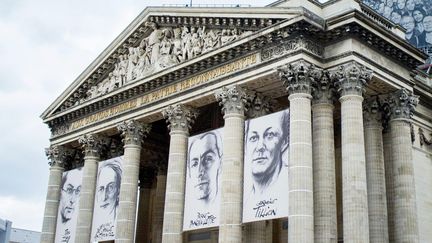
(68, 207)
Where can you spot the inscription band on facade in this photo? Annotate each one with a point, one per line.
(166, 91)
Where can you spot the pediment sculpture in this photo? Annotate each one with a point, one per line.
(161, 49)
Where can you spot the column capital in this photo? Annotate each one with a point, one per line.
(400, 105)
(92, 144)
(323, 91)
(133, 132)
(351, 78)
(180, 117)
(372, 111)
(298, 76)
(57, 155)
(233, 99)
(260, 105)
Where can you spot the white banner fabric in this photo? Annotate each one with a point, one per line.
(265, 192)
(203, 175)
(69, 206)
(106, 199)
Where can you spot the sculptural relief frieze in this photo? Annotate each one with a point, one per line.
(163, 48)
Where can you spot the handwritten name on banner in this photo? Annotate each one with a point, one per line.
(166, 91)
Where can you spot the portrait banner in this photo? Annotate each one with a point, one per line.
(203, 172)
(106, 203)
(67, 215)
(415, 16)
(265, 191)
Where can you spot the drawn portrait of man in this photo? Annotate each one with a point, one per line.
(266, 167)
(69, 205)
(204, 164)
(107, 199)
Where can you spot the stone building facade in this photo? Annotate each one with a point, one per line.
(360, 165)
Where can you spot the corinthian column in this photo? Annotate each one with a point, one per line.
(92, 146)
(258, 232)
(57, 156)
(324, 176)
(297, 78)
(133, 133)
(233, 101)
(350, 80)
(375, 173)
(180, 119)
(401, 106)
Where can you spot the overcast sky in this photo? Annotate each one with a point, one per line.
(44, 46)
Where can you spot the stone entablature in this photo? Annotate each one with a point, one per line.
(273, 42)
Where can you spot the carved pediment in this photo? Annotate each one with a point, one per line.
(161, 42)
(162, 48)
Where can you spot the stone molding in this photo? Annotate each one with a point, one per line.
(179, 117)
(290, 46)
(133, 132)
(400, 104)
(57, 155)
(298, 76)
(93, 144)
(372, 111)
(233, 99)
(351, 78)
(259, 105)
(323, 90)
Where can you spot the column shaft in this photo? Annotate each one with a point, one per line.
(175, 188)
(125, 225)
(87, 197)
(158, 209)
(354, 187)
(143, 223)
(230, 229)
(405, 208)
(388, 163)
(255, 232)
(377, 203)
(324, 173)
(300, 218)
(51, 204)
